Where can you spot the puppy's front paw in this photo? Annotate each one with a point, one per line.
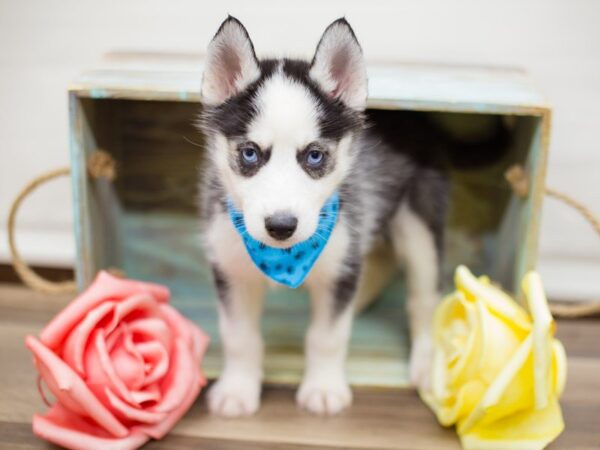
(421, 359)
(233, 396)
(324, 396)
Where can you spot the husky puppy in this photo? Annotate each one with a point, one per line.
(284, 135)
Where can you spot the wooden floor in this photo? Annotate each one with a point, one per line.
(391, 419)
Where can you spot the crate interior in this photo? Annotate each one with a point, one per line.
(146, 223)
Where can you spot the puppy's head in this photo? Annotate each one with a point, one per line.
(280, 131)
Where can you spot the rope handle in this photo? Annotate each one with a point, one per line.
(27, 275)
(100, 165)
(519, 182)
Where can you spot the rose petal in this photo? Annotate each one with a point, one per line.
(495, 299)
(115, 336)
(159, 430)
(532, 429)
(182, 371)
(153, 328)
(543, 330)
(132, 413)
(104, 288)
(101, 371)
(504, 385)
(499, 343)
(127, 361)
(69, 430)
(456, 313)
(467, 398)
(196, 339)
(148, 394)
(177, 323)
(135, 303)
(559, 367)
(77, 340)
(70, 389)
(156, 358)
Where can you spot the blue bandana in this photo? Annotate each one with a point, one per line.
(289, 266)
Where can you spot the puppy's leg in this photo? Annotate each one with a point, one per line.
(324, 388)
(237, 392)
(378, 268)
(415, 243)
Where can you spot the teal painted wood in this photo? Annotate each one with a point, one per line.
(536, 167)
(84, 268)
(431, 87)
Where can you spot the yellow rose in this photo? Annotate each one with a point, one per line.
(497, 371)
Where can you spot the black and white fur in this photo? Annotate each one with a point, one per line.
(286, 108)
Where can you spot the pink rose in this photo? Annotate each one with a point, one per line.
(123, 365)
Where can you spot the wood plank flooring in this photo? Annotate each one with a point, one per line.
(379, 419)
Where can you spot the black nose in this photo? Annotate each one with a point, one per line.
(281, 225)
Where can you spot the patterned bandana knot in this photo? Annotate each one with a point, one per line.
(289, 266)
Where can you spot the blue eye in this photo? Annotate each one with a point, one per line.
(249, 155)
(314, 158)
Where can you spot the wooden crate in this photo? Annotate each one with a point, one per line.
(141, 109)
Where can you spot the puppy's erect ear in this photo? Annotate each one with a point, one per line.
(231, 63)
(338, 66)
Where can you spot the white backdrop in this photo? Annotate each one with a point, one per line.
(44, 45)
